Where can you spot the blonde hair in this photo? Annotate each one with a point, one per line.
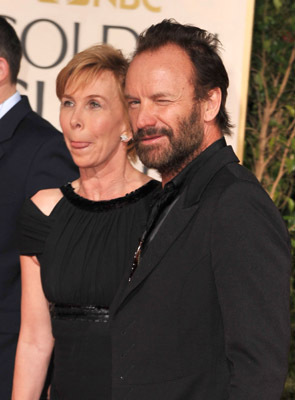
(85, 67)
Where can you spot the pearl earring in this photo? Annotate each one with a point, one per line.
(124, 137)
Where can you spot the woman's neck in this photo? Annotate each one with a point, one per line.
(106, 184)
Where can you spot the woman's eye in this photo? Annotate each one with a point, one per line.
(94, 104)
(67, 103)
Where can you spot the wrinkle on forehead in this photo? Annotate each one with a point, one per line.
(86, 79)
(170, 55)
(167, 70)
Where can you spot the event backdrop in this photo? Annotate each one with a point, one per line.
(52, 31)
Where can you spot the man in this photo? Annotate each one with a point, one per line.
(33, 156)
(205, 315)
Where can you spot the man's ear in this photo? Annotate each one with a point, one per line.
(4, 69)
(212, 104)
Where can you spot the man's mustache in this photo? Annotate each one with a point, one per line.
(146, 132)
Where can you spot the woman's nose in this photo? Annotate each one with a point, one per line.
(76, 119)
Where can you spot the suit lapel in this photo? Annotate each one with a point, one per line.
(10, 121)
(1, 151)
(171, 228)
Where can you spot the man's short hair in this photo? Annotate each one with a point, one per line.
(202, 48)
(10, 48)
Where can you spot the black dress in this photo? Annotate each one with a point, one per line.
(84, 248)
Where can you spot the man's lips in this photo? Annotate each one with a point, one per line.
(79, 145)
(150, 139)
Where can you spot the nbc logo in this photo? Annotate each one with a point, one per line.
(125, 4)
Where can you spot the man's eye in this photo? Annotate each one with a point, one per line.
(133, 103)
(163, 101)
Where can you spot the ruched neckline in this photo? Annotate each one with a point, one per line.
(105, 205)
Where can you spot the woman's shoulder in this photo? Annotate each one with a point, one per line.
(46, 200)
(34, 224)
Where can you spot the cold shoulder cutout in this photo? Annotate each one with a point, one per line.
(47, 199)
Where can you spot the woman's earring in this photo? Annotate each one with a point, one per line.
(124, 138)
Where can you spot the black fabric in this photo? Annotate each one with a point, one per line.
(84, 248)
(206, 313)
(33, 156)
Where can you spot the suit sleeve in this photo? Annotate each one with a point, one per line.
(51, 166)
(251, 261)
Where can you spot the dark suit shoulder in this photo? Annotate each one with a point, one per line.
(217, 174)
(233, 173)
(22, 122)
(235, 178)
(35, 125)
(237, 182)
(238, 198)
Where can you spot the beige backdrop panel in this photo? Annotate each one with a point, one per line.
(53, 30)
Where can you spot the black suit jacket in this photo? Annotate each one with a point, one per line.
(33, 156)
(206, 314)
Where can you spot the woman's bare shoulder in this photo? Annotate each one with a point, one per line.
(47, 199)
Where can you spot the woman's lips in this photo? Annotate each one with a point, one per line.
(80, 145)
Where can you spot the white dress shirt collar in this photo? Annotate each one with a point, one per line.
(9, 103)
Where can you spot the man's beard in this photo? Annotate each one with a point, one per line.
(182, 149)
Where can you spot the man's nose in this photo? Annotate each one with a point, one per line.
(146, 118)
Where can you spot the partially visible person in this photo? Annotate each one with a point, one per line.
(78, 241)
(205, 314)
(33, 156)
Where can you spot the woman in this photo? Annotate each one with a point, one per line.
(78, 241)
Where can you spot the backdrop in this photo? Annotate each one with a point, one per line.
(52, 31)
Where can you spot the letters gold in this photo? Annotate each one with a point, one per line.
(78, 2)
(150, 7)
(124, 4)
(129, 6)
